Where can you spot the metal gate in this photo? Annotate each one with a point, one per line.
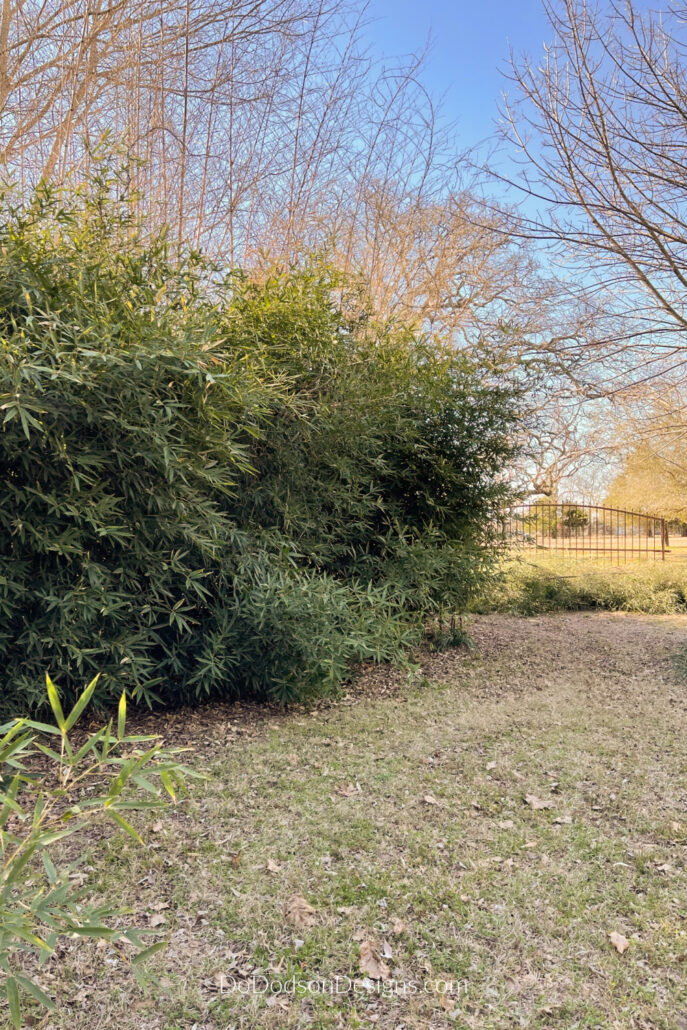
(572, 530)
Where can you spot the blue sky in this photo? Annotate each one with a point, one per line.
(469, 42)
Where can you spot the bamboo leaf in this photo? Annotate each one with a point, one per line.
(147, 952)
(121, 717)
(168, 784)
(80, 705)
(54, 699)
(35, 991)
(12, 992)
(121, 821)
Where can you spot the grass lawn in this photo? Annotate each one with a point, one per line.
(488, 824)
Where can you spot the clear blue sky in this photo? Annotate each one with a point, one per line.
(469, 42)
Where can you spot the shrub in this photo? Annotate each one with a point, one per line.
(531, 588)
(124, 427)
(215, 486)
(385, 465)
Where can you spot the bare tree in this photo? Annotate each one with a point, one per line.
(254, 127)
(601, 123)
(568, 449)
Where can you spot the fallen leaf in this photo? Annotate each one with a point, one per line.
(506, 824)
(157, 920)
(429, 799)
(372, 963)
(272, 867)
(620, 943)
(537, 803)
(490, 766)
(157, 826)
(563, 820)
(386, 950)
(274, 1001)
(82, 995)
(349, 790)
(299, 912)
(397, 925)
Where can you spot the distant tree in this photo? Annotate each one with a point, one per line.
(652, 484)
(652, 435)
(573, 517)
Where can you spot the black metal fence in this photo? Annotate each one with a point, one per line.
(575, 530)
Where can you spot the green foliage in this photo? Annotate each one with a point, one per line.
(215, 486)
(529, 588)
(553, 519)
(51, 789)
(574, 517)
(384, 469)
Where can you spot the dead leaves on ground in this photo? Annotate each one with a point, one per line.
(620, 943)
(300, 913)
(348, 790)
(538, 804)
(371, 962)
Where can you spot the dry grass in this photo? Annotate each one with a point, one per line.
(530, 584)
(401, 818)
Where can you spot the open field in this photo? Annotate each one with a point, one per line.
(488, 823)
(607, 550)
(677, 549)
